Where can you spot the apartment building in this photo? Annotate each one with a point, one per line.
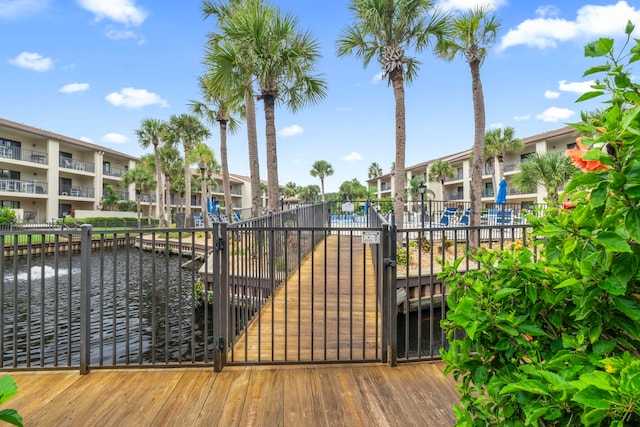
(45, 176)
(458, 187)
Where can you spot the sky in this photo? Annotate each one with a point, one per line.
(94, 69)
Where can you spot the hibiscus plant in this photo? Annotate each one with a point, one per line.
(549, 334)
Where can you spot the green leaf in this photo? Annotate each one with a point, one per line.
(593, 417)
(11, 416)
(613, 241)
(613, 285)
(598, 379)
(531, 386)
(597, 69)
(589, 95)
(8, 388)
(572, 281)
(592, 397)
(628, 306)
(532, 329)
(603, 347)
(505, 292)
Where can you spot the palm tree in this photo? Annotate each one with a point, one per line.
(386, 30)
(140, 177)
(188, 130)
(551, 170)
(148, 162)
(472, 33)
(233, 69)
(284, 59)
(290, 189)
(223, 103)
(499, 142)
(375, 170)
(171, 165)
(352, 190)
(149, 134)
(203, 156)
(414, 188)
(439, 171)
(321, 169)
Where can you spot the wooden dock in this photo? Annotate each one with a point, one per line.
(318, 395)
(326, 311)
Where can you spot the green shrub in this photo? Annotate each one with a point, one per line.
(555, 341)
(8, 389)
(7, 215)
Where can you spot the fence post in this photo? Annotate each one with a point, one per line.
(220, 294)
(390, 305)
(85, 298)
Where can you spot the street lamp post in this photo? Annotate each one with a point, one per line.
(422, 188)
(281, 202)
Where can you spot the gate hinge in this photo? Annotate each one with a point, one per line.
(219, 244)
(388, 262)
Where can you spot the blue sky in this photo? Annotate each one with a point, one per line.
(93, 69)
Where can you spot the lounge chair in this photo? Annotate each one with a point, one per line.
(447, 217)
(464, 219)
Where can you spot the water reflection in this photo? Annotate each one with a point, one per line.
(142, 310)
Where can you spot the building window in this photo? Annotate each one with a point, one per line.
(9, 174)
(572, 145)
(10, 204)
(66, 159)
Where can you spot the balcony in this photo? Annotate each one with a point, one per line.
(77, 165)
(511, 167)
(457, 177)
(113, 172)
(148, 198)
(455, 196)
(488, 193)
(23, 154)
(18, 186)
(75, 191)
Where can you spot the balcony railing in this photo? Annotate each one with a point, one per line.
(111, 171)
(455, 196)
(122, 195)
(18, 186)
(511, 167)
(74, 191)
(78, 165)
(24, 154)
(488, 193)
(148, 198)
(457, 177)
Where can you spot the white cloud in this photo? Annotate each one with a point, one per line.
(547, 30)
(551, 94)
(471, 4)
(522, 118)
(555, 114)
(292, 130)
(122, 11)
(116, 34)
(135, 98)
(86, 139)
(74, 87)
(575, 87)
(15, 8)
(32, 61)
(377, 78)
(354, 156)
(114, 138)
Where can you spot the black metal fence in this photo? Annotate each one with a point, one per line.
(297, 286)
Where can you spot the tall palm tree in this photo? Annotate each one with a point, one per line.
(203, 155)
(497, 143)
(472, 33)
(149, 134)
(223, 103)
(387, 30)
(284, 58)
(551, 170)
(233, 69)
(171, 165)
(290, 189)
(188, 130)
(375, 170)
(439, 171)
(140, 177)
(321, 169)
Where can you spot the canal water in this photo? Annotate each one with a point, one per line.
(142, 310)
(423, 342)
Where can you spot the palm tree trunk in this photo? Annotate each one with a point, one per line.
(158, 184)
(138, 210)
(167, 200)
(187, 189)
(203, 199)
(272, 152)
(478, 149)
(399, 174)
(322, 185)
(226, 183)
(254, 164)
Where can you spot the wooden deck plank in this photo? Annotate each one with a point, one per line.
(307, 395)
(334, 294)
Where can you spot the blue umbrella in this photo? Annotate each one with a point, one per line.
(208, 204)
(501, 198)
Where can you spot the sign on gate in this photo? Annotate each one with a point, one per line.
(347, 207)
(371, 237)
